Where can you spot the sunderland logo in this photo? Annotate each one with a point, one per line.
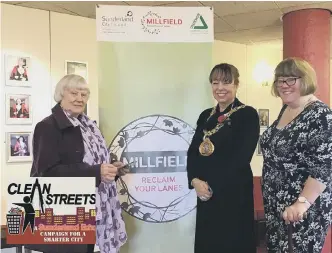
(117, 21)
(156, 189)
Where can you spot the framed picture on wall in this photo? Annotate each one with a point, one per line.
(17, 71)
(18, 109)
(259, 149)
(78, 68)
(19, 145)
(263, 117)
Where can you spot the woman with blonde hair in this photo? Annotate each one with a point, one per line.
(297, 151)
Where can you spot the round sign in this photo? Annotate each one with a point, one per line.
(156, 189)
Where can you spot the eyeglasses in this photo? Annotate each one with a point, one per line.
(289, 81)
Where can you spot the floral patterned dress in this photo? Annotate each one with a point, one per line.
(301, 149)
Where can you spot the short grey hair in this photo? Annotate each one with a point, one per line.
(71, 81)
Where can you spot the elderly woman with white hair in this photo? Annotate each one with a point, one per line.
(68, 144)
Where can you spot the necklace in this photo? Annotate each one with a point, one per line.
(207, 148)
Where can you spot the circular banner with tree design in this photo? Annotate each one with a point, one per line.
(156, 189)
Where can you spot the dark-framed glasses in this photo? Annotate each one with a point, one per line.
(289, 81)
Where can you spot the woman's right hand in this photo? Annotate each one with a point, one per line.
(108, 172)
(201, 188)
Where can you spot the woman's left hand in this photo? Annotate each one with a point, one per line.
(122, 170)
(295, 212)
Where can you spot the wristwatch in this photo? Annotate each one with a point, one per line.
(302, 199)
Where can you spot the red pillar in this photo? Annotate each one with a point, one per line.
(306, 34)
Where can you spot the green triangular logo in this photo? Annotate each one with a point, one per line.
(202, 26)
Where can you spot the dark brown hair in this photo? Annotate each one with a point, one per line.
(226, 73)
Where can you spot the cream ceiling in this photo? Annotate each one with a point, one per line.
(240, 21)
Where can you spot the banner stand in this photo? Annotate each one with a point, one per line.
(153, 84)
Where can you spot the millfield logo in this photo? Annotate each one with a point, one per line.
(152, 22)
(156, 189)
(61, 213)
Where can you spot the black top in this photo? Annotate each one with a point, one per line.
(225, 223)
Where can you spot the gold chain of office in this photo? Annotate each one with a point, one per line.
(207, 148)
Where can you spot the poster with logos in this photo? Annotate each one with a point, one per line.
(46, 210)
(150, 97)
(154, 24)
(156, 90)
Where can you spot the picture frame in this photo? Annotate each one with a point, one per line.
(19, 147)
(78, 68)
(18, 109)
(259, 149)
(17, 70)
(264, 117)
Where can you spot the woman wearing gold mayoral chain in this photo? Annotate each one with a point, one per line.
(219, 168)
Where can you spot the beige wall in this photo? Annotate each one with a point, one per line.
(74, 38)
(260, 96)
